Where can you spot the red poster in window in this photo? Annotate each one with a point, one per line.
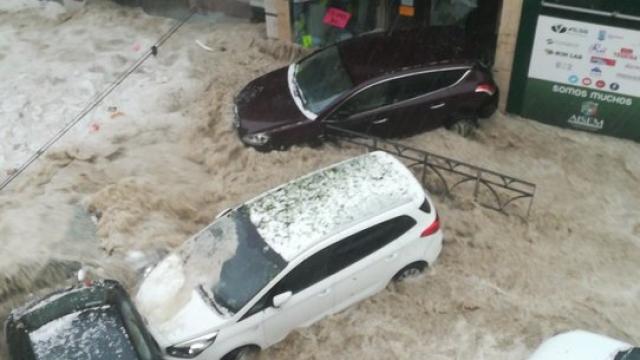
(336, 17)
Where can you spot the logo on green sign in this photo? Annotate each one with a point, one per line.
(589, 108)
(587, 119)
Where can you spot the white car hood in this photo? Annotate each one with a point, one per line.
(194, 319)
(579, 345)
(173, 308)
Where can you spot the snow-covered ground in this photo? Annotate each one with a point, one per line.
(158, 159)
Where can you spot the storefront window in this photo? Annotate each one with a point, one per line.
(318, 23)
(451, 12)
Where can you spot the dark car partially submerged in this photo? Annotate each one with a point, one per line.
(98, 322)
(383, 84)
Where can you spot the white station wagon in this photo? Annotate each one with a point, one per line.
(290, 257)
(583, 345)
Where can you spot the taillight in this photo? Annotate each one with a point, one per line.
(433, 228)
(486, 88)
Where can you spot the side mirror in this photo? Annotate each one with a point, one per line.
(281, 299)
(223, 213)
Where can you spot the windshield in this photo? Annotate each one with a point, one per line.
(230, 262)
(321, 78)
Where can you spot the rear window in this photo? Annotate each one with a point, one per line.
(96, 323)
(95, 333)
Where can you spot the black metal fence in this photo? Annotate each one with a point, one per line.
(442, 175)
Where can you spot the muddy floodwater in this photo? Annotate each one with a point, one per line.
(158, 159)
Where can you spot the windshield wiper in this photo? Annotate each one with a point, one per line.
(209, 299)
(220, 308)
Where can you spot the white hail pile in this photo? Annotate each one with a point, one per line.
(294, 217)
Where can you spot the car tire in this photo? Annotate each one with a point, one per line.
(249, 352)
(410, 271)
(263, 149)
(487, 110)
(464, 126)
(315, 143)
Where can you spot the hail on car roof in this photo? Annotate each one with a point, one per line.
(297, 215)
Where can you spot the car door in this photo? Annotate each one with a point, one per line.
(366, 111)
(364, 262)
(312, 298)
(424, 100)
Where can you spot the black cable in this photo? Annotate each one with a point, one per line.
(153, 50)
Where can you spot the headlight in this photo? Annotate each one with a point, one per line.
(192, 348)
(256, 139)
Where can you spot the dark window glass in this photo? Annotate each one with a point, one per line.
(369, 99)
(321, 79)
(307, 273)
(413, 86)
(629, 354)
(426, 207)
(397, 90)
(103, 325)
(368, 241)
(235, 277)
(450, 77)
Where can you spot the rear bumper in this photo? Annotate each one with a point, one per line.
(434, 248)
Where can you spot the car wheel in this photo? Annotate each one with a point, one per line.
(487, 110)
(315, 143)
(263, 149)
(243, 353)
(463, 127)
(410, 271)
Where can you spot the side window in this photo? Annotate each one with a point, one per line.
(450, 77)
(307, 273)
(369, 99)
(397, 90)
(359, 245)
(413, 86)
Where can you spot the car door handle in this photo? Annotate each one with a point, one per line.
(392, 257)
(381, 121)
(325, 292)
(438, 106)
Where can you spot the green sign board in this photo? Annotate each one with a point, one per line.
(584, 76)
(581, 108)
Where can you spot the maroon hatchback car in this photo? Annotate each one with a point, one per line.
(380, 84)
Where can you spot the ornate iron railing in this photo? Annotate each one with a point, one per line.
(443, 175)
